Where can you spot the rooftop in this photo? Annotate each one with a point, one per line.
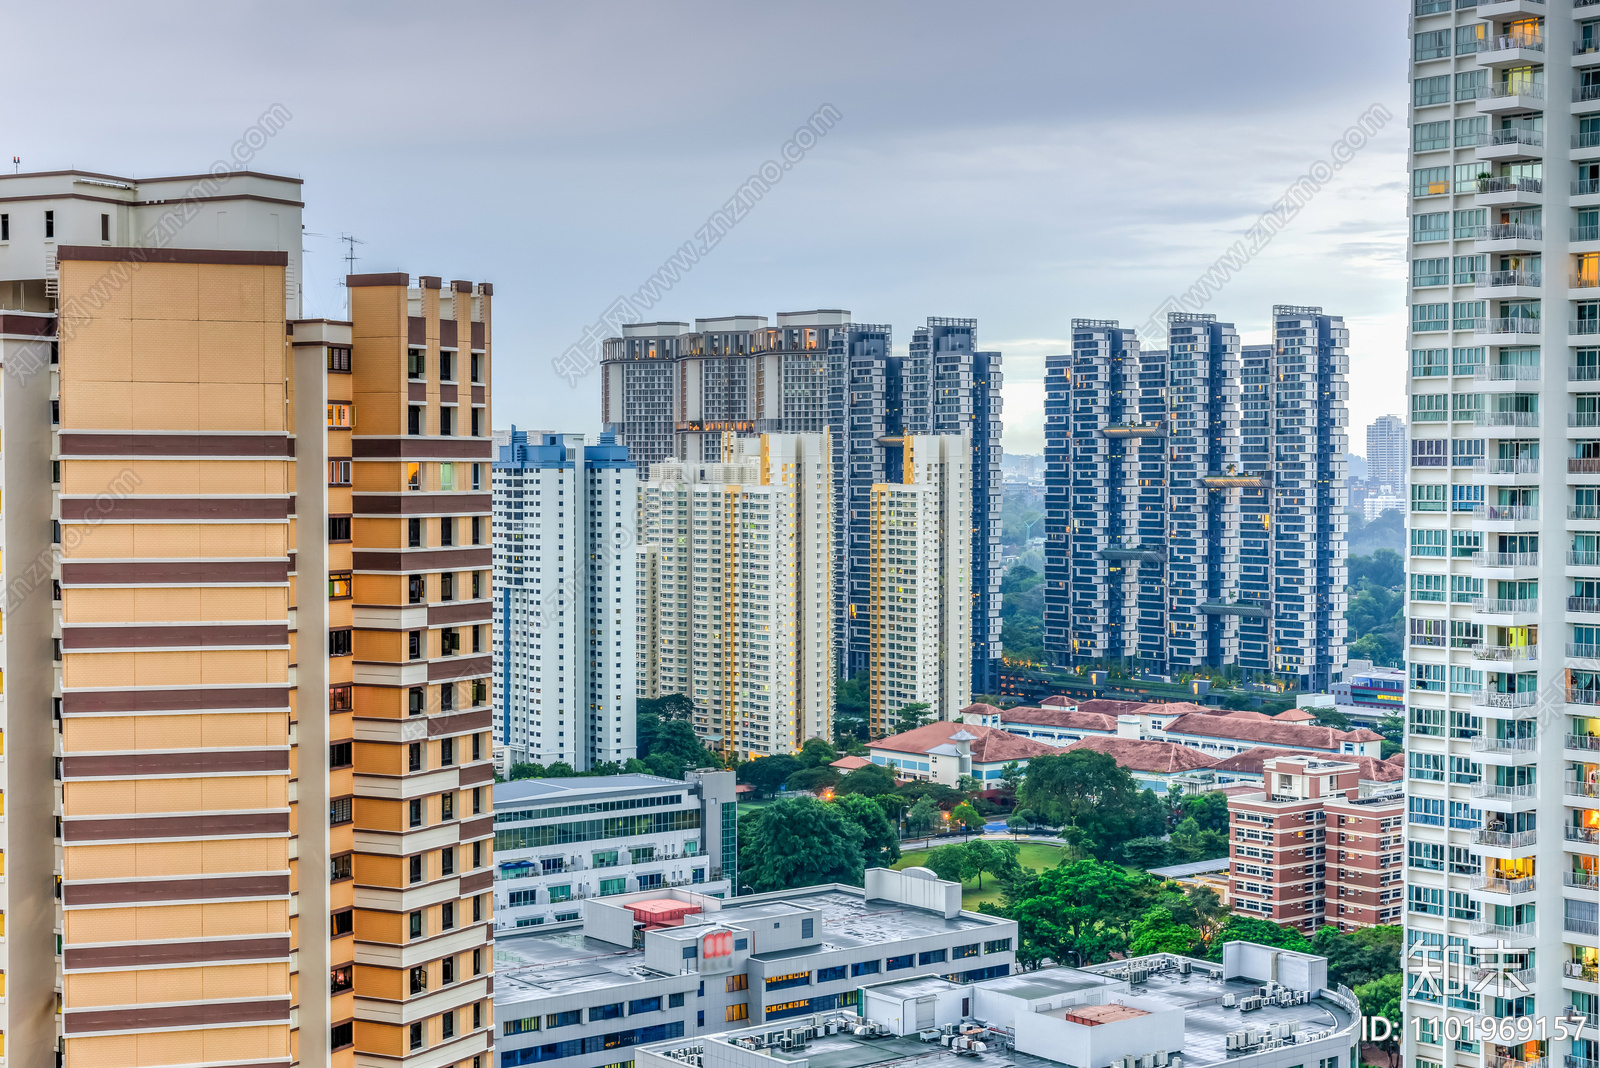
(1051, 716)
(1143, 754)
(990, 745)
(578, 787)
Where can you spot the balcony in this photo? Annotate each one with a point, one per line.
(1134, 430)
(1485, 744)
(1583, 879)
(1506, 654)
(1496, 699)
(1585, 187)
(1583, 651)
(1234, 608)
(1525, 976)
(1582, 835)
(1509, 237)
(1573, 925)
(1580, 788)
(1583, 604)
(1487, 559)
(1511, 142)
(1494, 791)
(1583, 558)
(1503, 930)
(1505, 839)
(1511, 326)
(1583, 743)
(1583, 465)
(1507, 372)
(1504, 606)
(1507, 420)
(1583, 327)
(1497, 885)
(1585, 420)
(1505, 49)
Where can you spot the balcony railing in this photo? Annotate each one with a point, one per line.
(1516, 324)
(1496, 699)
(1583, 465)
(1583, 604)
(1510, 232)
(1522, 419)
(1517, 135)
(1484, 743)
(1521, 465)
(1585, 187)
(1583, 651)
(1488, 559)
(1506, 606)
(1583, 374)
(1584, 927)
(1583, 326)
(1505, 930)
(1497, 885)
(1508, 372)
(1583, 558)
(1505, 42)
(1585, 233)
(1580, 878)
(1569, 1061)
(1503, 90)
(1580, 788)
(1583, 419)
(1583, 511)
(1501, 792)
(1506, 513)
(1505, 654)
(1525, 977)
(1581, 93)
(1587, 742)
(1589, 835)
(1505, 839)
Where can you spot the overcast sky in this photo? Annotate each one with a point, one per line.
(1020, 163)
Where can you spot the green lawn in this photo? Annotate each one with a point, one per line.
(1035, 855)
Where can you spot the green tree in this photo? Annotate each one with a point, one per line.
(945, 862)
(1385, 568)
(1022, 614)
(1087, 793)
(635, 766)
(1078, 912)
(1385, 532)
(526, 771)
(1265, 932)
(880, 845)
(923, 818)
(1157, 932)
(666, 765)
(909, 717)
(814, 780)
(850, 706)
(1381, 997)
(869, 780)
(1146, 853)
(1198, 907)
(816, 752)
(802, 842)
(976, 858)
(766, 774)
(893, 805)
(560, 770)
(672, 706)
(1359, 956)
(967, 816)
(1011, 777)
(1209, 810)
(1332, 717)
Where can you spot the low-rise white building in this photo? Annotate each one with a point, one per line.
(561, 841)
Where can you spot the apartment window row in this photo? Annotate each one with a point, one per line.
(445, 478)
(449, 361)
(417, 696)
(448, 531)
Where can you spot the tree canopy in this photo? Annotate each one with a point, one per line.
(801, 841)
(1092, 797)
(869, 780)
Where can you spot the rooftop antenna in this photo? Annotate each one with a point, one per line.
(351, 241)
(16, 164)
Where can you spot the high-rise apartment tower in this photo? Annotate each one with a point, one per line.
(1386, 453)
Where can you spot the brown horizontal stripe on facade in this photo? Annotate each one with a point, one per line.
(473, 612)
(423, 560)
(423, 448)
(181, 763)
(148, 1017)
(478, 880)
(481, 828)
(158, 445)
(28, 325)
(158, 953)
(478, 393)
(169, 699)
(216, 825)
(394, 278)
(476, 773)
(237, 257)
(188, 636)
(447, 333)
(366, 504)
(417, 391)
(416, 330)
(447, 393)
(175, 572)
(460, 722)
(106, 508)
(465, 668)
(156, 891)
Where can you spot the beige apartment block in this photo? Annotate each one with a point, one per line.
(254, 828)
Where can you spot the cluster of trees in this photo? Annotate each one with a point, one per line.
(1022, 614)
(1092, 799)
(804, 841)
(1377, 607)
(1199, 832)
(667, 746)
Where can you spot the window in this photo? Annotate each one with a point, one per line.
(416, 868)
(340, 755)
(961, 952)
(1427, 542)
(1430, 226)
(340, 642)
(737, 982)
(447, 866)
(414, 642)
(638, 1005)
(342, 1035)
(1464, 589)
(1427, 900)
(520, 1027)
(340, 979)
(1429, 721)
(417, 700)
(1428, 633)
(341, 416)
(737, 1012)
(340, 811)
(1469, 222)
(1430, 407)
(339, 528)
(1467, 270)
(341, 698)
(105, 227)
(1465, 498)
(416, 811)
(1428, 136)
(447, 750)
(1430, 181)
(1427, 767)
(1469, 314)
(339, 585)
(1429, 452)
(416, 363)
(606, 1012)
(447, 478)
(1433, 271)
(416, 1028)
(447, 530)
(675, 1001)
(1425, 856)
(865, 967)
(447, 1021)
(1432, 44)
(447, 365)
(447, 586)
(339, 475)
(339, 867)
(447, 421)
(417, 589)
(5, 228)
(1466, 360)
(414, 533)
(1429, 317)
(828, 975)
(1428, 676)
(341, 923)
(1435, 90)
(339, 359)
(1427, 498)
(999, 945)
(1471, 131)
(1430, 363)
(414, 477)
(932, 956)
(414, 761)
(49, 224)
(414, 419)
(1426, 811)
(477, 427)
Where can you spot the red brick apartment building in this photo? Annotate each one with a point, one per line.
(1283, 839)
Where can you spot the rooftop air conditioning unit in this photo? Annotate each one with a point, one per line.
(1229, 1001)
(1160, 1057)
